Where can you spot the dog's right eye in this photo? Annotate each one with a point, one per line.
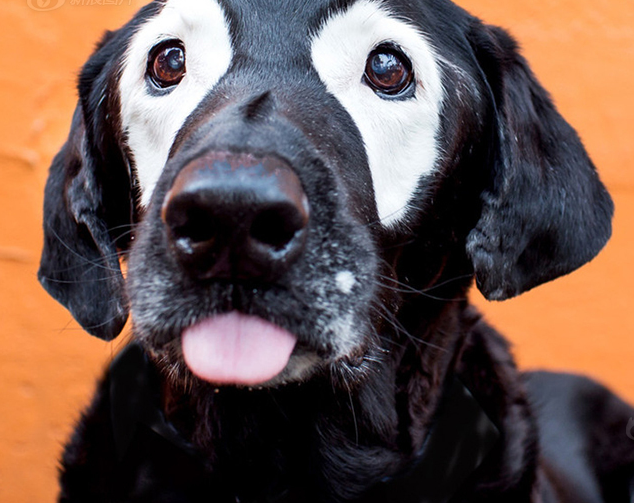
(166, 64)
(388, 71)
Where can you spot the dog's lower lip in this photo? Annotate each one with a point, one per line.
(238, 349)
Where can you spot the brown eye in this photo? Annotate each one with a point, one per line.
(388, 71)
(166, 65)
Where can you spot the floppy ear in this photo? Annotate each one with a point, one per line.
(545, 212)
(79, 265)
(88, 207)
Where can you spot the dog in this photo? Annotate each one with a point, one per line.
(303, 194)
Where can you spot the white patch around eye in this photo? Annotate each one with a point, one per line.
(151, 122)
(400, 136)
(345, 281)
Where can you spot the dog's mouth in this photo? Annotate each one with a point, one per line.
(237, 349)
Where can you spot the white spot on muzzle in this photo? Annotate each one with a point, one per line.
(345, 282)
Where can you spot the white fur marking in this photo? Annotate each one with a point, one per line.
(345, 333)
(400, 136)
(152, 122)
(345, 281)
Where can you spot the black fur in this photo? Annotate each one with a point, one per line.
(89, 200)
(515, 202)
(541, 178)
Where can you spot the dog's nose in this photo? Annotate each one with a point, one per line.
(236, 216)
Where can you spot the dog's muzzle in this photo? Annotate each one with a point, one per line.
(236, 217)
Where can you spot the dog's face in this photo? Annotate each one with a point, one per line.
(299, 171)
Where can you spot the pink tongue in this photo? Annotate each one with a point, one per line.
(235, 348)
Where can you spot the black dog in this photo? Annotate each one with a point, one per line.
(304, 192)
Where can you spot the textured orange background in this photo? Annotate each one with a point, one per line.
(583, 51)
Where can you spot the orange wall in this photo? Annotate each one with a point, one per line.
(583, 51)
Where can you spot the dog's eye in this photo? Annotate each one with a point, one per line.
(388, 71)
(166, 64)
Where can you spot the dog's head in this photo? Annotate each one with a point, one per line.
(284, 175)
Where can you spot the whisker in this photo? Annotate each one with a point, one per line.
(412, 290)
(398, 326)
(444, 283)
(79, 256)
(78, 281)
(354, 417)
(423, 290)
(410, 204)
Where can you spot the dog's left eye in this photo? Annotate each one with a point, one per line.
(166, 64)
(388, 71)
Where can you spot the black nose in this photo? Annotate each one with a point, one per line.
(236, 216)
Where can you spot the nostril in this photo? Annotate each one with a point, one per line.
(195, 225)
(276, 227)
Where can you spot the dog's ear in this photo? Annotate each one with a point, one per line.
(87, 204)
(80, 265)
(544, 212)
